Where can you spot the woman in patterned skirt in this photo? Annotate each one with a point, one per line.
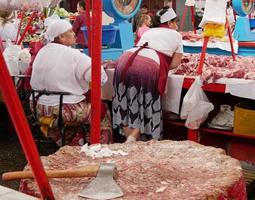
(140, 79)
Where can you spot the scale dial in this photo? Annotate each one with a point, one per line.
(121, 9)
(243, 7)
(126, 7)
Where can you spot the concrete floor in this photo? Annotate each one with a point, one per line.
(12, 157)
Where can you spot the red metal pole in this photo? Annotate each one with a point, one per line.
(231, 40)
(96, 70)
(20, 25)
(22, 128)
(183, 18)
(88, 21)
(27, 27)
(193, 135)
(202, 58)
(192, 10)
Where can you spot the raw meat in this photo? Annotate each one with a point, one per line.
(216, 67)
(153, 170)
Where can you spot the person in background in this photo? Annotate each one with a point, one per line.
(144, 23)
(168, 4)
(154, 12)
(143, 10)
(79, 22)
(8, 29)
(140, 78)
(58, 67)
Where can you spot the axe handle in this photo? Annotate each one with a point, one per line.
(89, 171)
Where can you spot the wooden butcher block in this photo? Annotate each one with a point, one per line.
(152, 170)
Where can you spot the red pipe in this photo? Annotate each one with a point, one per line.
(183, 17)
(88, 23)
(202, 58)
(22, 128)
(231, 40)
(20, 25)
(96, 70)
(27, 27)
(192, 10)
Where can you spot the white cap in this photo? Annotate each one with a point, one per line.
(57, 28)
(167, 16)
(50, 20)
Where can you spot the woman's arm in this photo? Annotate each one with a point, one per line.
(76, 25)
(176, 60)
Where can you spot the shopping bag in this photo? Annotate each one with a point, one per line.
(198, 114)
(196, 105)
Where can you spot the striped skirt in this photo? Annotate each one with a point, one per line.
(136, 100)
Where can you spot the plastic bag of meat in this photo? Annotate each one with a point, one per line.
(194, 95)
(198, 114)
(195, 106)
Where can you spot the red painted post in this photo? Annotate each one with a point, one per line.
(192, 10)
(22, 128)
(202, 58)
(193, 135)
(27, 27)
(230, 40)
(96, 70)
(20, 25)
(183, 18)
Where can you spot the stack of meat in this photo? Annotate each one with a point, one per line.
(216, 67)
(191, 37)
(154, 170)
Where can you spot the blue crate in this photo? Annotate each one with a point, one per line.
(108, 34)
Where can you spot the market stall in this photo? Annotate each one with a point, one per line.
(186, 169)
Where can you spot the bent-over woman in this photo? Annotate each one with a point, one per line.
(140, 79)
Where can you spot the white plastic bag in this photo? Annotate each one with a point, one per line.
(24, 59)
(192, 97)
(11, 56)
(198, 115)
(196, 106)
(215, 12)
(190, 3)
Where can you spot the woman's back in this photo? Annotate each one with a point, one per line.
(166, 41)
(60, 68)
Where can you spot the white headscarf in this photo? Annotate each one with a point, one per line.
(167, 16)
(57, 28)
